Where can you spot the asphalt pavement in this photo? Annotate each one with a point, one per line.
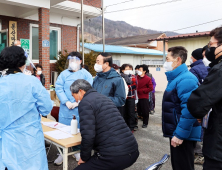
(152, 144)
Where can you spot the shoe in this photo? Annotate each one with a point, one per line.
(199, 160)
(144, 126)
(159, 164)
(59, 160)
(77, 156)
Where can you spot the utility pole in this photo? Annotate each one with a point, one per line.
(103, 25)
(82, 25)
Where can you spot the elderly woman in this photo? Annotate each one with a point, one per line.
(22, 100)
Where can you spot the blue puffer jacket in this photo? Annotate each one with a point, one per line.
(176, 119)
(111, 85)
(199, 70)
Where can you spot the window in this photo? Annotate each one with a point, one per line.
(153, 63)
(117, 62)
(55, 42)
(3, 39)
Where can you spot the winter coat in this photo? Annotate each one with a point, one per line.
(111, 85)
(199, 70)
(144, 87)
(176, 119)
(42, 78)
(207, 96)
(102, 127)
(154, 85)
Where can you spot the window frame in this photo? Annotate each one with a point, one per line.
(51, 28)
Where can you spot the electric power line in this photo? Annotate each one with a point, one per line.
(161, 3)
(120, 3)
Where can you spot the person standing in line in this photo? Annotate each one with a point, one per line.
(182, 129)
(129, 108)
(144, 87)
(197, 66)
(208, 98)
(38, 73)
(108, 82)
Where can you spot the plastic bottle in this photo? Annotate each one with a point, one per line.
(74, 124)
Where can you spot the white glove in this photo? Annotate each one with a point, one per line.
(74, 105)
(69, 105)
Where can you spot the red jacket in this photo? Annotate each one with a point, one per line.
(144, 86)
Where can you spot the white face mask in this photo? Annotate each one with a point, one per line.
(98, 68)
(19, 45)
(206, 62)
(136, 71)
(39, 72)
(73, 66)
(127, 72)
(140, 73)
(191, 61)
(168, 66)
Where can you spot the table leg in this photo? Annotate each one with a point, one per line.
(65, 158)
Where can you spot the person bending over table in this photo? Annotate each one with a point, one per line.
(103, 130)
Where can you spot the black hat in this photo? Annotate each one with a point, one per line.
(204, 48)
(197, 54)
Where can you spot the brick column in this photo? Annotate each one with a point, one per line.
(44, 50)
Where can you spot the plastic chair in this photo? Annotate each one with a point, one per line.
(159, 164)
(55, 113)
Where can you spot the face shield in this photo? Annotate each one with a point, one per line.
(73, 63)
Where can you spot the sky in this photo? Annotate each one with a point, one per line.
(171, 16)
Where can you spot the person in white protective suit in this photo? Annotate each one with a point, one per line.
(23, 100)
(68, 106)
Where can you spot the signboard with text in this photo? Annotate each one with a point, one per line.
(12, 32)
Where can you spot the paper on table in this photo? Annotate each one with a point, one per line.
(54, 125)
(57, 134)
(67, 129)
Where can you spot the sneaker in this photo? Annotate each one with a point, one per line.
(199, 160)
(77, 156)
(144, 126)
(59, 160)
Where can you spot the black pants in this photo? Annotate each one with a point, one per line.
(182, 157)
(121, 110)
(109, 163)
(210, 164)
(143, 107)
(129, 114)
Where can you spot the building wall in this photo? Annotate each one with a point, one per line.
(68, 34)
(95, 3)
(190, 44)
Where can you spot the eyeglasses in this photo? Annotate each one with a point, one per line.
(210, 43)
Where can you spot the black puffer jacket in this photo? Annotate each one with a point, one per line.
(103, 128)
(209, 95)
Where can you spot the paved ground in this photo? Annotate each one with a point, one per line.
(152, 145)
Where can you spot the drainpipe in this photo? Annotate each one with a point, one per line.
(78, 42)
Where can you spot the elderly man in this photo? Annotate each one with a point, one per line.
(178, 124)
(103, 130)
(108, 82)
(209, 96)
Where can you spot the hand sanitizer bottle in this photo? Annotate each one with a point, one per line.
(74, 126)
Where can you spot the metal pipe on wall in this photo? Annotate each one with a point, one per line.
(103, 20)
(82, 25)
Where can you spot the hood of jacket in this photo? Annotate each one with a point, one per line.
(109, 74)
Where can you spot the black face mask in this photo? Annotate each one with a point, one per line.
(210, 53)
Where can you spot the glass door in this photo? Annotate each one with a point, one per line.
(3, 39)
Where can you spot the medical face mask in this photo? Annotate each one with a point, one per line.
(98, 68)
(127, 72)
(168, 66)
(210, 53)
(73, 66)
(140, 73)
(39, 72)
(206, 62)
(136, 71)
(191, 61)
